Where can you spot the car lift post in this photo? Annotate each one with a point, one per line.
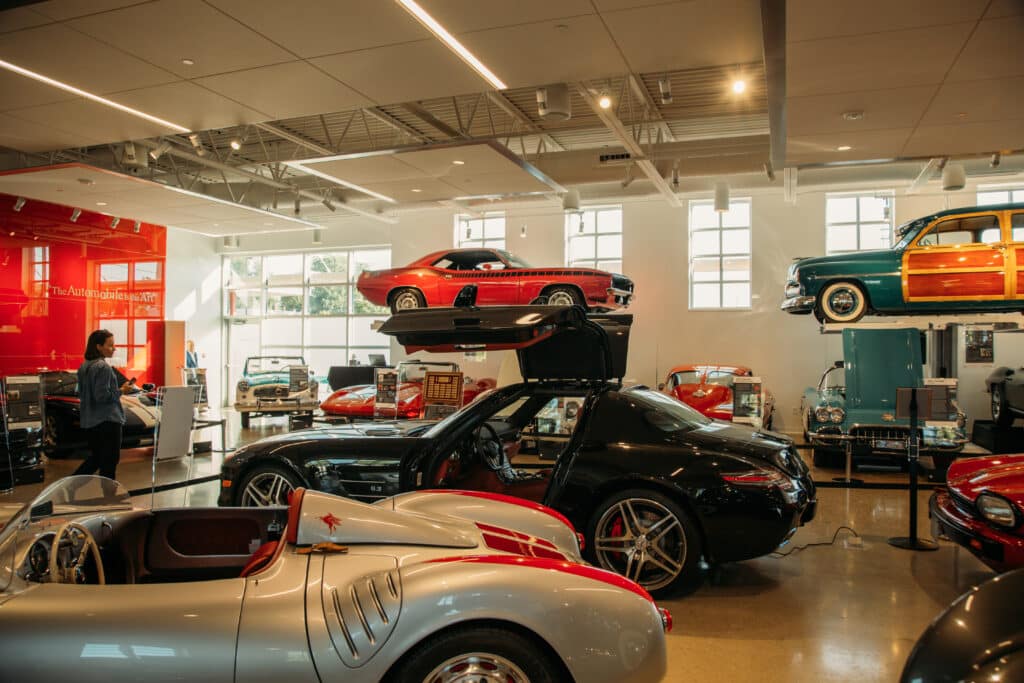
(912, 542)
(848, 450)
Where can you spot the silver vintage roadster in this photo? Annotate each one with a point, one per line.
(425, 586)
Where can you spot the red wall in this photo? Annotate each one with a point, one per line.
(59, 280)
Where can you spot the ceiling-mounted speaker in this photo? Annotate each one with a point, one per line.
(571, 200)
(953, 177)
(554, 102)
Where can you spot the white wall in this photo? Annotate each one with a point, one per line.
(786, 350)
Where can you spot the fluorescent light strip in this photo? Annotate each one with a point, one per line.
(454, 45)
(88, 95)
(263, 212)
(344, 183)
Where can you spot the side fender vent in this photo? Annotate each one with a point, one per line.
(362, 615)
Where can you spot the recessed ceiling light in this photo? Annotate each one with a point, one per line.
(87, 181)
(605, 102)
(843, 148)
(188, 62)
(739, 86)
(88, 95)
(853, 115)
(101, 203)
(459, 162)
(236, 144)
(454, 45)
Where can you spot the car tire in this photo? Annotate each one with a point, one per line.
(676, 565)
(265, 485)
(245, 420)
(828, 458)
(564, 296)
(497, 653)
(1001, 414)
(51, 435)
(841, 302)
(407, 299)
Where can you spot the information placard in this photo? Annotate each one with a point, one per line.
(748, 401)
(442, 394)
(386, 403)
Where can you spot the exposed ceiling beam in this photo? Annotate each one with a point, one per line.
(632, 146)
(510, 109)
(773, 28)
(924, 176)
(298, 140)
(418, 111)
(387, 119)
(270, 182)
(640, 92)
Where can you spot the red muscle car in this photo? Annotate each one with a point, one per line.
(359, 400)
(982, 509)
(500, 277)
(708, 389)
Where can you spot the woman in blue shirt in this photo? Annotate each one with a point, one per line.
(101, 414)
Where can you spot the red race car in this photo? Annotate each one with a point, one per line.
(982, 509)
(358, 401)
(500, 277)
(708, 389)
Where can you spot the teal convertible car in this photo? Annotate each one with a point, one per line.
(855, 404)
(962, 260)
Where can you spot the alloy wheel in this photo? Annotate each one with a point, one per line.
(477, 667)
(406, 300)
(561, 298)
(265, 489)
(997, 404)
(642, 540)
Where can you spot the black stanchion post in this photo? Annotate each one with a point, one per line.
(912, 542)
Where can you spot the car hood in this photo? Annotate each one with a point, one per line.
(552, 342)
(877, 362)
(855, 258)
(1000, 474)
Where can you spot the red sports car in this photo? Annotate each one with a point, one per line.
(359, 400)
(708, 389)
(982, 509)
(500, 277)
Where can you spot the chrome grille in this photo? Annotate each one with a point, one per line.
(871, 435)
(270, 392)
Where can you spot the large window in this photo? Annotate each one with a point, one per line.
(720, 255)
(131, 294)
(593, 238)
(1000, 195)
(858, 222)
(302, 304)
(487, 232)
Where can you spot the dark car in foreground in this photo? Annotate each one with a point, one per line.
(654, 486)
(978, 639)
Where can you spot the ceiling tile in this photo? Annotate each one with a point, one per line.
(29, 136)
(899, 108)
(534, 54)
(813, 19)
(437, 163)
(496, 184)
(873, 144)
(286, 90)
(166, 31)
(190, 105)
(870, 62)
(20, 91)
(982, 137)
(403, 73)
(460, 16)
(987, 100)
(402, 190)
(995, 50)
(20, 18)
(81, 61)
(69, 9)
(371, 169)
(323, 27)
(612, 5)
(687, 35)
(91, 121)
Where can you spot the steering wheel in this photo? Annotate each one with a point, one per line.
(490, 448)
(81, 542)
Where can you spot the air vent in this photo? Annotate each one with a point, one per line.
(614, 158)
(361, 615)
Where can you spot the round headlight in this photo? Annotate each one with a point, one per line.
(243, 386)
(821, 414)
(996, 510)
(836, 414)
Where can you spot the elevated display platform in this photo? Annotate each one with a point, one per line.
(1001, 322)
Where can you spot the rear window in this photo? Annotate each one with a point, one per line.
(666, 413)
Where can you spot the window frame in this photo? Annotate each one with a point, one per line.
(572, 234)
(888, 195)
(462, 221)
(721, 281)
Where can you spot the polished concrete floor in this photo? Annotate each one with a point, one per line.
(849, 610)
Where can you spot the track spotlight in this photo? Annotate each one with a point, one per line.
(318, 237)
(769, 170)
(136, 227)
(113, 222)
(236, 144)
(675, 178)
(665, 88)
(18, 203)
(75, 214)
(522, 230)
(996, 158)
(328, 204)
(196, 145)
(159, 150)
(721, 197)
(298, 205)
(129, 153)
(628, 180)
(581, 223)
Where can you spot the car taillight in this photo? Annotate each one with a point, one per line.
(582, 540)
(666, 619)
(760, 478)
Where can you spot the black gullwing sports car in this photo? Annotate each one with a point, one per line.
(654, 486)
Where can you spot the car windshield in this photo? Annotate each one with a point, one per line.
(271, 364)
(68, 496)
(687, 377)
(514, 261)
(721, 377)
(666, 413)
(416, 371)
(60, 383)
(834, 378)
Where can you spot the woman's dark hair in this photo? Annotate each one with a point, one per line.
(96, 338)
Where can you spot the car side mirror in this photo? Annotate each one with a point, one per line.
(839, 364)
(148, 386)
(661, 386)
(42, 510)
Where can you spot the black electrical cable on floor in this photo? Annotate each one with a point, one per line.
(798, 548)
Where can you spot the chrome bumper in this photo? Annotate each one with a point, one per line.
(798, 304)
(623, 294)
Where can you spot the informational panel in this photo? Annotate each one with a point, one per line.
(748, 401)
(174, 431)
(979, 346)
(23, 396)
(386, 404)
(442, 394)
(298, 378)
